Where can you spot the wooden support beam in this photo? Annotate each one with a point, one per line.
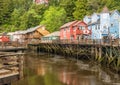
(96, 53)
(100, 52)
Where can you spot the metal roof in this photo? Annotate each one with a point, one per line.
(79, 23)
(68, 24)
(92, 23)
(32, 29)
(56, 33)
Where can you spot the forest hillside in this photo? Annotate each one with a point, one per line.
(23, 14)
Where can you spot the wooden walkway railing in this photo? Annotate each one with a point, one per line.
(13, 44)
(113, 42)
(11, 66)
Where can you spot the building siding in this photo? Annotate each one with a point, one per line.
(104, 24)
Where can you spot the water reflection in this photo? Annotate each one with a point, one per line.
(40, 70)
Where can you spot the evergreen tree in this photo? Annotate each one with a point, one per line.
(23, 14)
(6, 8)
(29, 19)
(68, 5)
(53, 18)
(80, 9)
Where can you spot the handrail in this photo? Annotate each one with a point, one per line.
(13, 43)
(112, 42)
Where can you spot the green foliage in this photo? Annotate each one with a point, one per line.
(53, 18)
(54, 2)
(68, 5)
(24, 14)
(15, 17)
(24, 4)
(5, 11)
(29, 19)
(80, 9)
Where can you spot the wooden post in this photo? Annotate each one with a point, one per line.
(100, 52)
(21, 60)
(17, 43)
(96, 53)
(2, 44)
(92, 50)
(110, 51)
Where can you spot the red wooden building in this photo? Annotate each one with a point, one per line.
(75, 30)
(4, 38)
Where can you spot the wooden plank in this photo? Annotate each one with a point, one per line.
(8, 75)
(13, 49)
(5, 79)
(4, 71)
(12, 54)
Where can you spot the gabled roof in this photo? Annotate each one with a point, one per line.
(87, 17)
(10, 33)
(68, 24)
(56, 33)
(79, 23)
(43, 31)
(114, 12)
(32, 29)
(105, 10)
(98, 22)
(98, 14)
(19, 32)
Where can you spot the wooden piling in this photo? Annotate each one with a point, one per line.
(96, 53)
(102, 53)
(21, 60)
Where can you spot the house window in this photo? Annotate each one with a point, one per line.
(104, 27)
(74, 28)
(81, 28)
(64, 29)
(115, 16)
(96, 27)
(69, 29)
(112, 25)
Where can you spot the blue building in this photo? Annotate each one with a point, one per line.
(104, 25)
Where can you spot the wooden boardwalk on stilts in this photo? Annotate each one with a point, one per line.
(106, 54)
(11, 64)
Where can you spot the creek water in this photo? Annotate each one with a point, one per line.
(46, 69)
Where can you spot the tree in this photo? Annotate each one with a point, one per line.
(23, 14)
(29, 19)
(39, 9)
(15, 17)
(68, 5)
(53, 18)
(80, 9)
(93, 6)
(6, 9)
(54, 2)
(24, 4)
